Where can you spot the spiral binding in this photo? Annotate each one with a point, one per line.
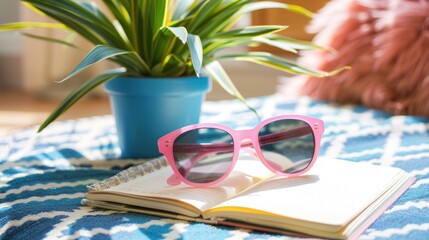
(129, 174)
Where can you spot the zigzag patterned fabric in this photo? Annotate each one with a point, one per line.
(44, 176)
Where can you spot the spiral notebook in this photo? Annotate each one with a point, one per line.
(335, 199)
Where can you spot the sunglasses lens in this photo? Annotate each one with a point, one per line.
(287, 145)
(203, 155)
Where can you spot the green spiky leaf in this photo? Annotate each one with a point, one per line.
(77, 94)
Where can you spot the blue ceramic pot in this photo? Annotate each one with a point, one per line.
(147, 108)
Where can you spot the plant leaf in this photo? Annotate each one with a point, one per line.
(134, 63)
(270, 4)
(224, 17)
(172, 66)
(158, 14)
(251, 31)
(179, 32)
(154, 16)
(181, 8)
(24, 25)
(81, 18)
(158, 69)
(204, 11)
(97, 54)
(121, 15)
(135, 11)
(53, 40)
(34, 9)
(283, 64)
(92, 7)
(73, 97)
(196, 51)
(71, 37)
(277, 44)
(298, 44)
(216, 71)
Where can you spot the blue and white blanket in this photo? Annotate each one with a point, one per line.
(44, 176)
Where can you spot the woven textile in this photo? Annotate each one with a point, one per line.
(44, 176)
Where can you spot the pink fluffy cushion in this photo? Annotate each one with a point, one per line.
(387, 45)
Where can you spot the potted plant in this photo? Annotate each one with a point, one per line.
(166, 50)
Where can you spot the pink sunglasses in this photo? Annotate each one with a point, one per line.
(204, 154)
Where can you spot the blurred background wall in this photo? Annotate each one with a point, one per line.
(10, 47)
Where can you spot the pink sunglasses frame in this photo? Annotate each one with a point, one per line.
(240, 140)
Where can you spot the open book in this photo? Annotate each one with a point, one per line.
(335, 199)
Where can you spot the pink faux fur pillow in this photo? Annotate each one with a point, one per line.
(387, 45)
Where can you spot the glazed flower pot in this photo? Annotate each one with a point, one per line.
(147, 108)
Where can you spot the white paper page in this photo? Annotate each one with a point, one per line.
(333, 192)
(247, 171)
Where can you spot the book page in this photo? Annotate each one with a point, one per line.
(246, 172)
(331, 194)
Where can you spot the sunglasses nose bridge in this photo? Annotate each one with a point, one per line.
(245, 138)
